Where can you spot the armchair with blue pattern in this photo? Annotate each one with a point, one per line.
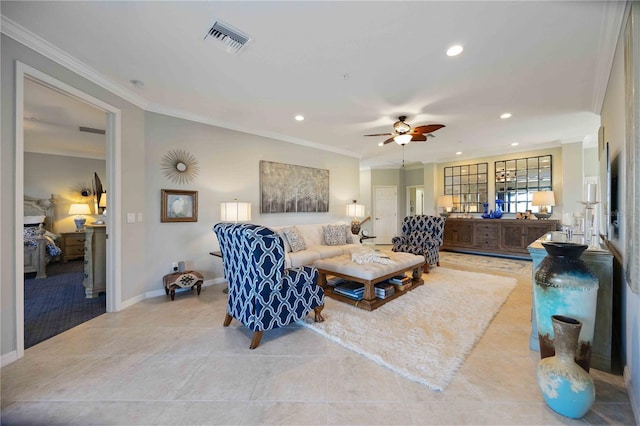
(423, 235)
(263, 295)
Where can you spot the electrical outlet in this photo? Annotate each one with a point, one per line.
(174, 266)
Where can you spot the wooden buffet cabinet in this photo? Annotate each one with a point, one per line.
(95, 259)
(505, 237)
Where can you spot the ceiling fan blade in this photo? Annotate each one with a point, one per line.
(388, 141)
(418, 138)
(92, 130)
(380, 134)
(426, 129)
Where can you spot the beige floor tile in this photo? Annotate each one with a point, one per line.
(164, 362)
(368, 413)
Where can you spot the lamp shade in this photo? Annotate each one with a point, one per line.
(234, 211)
(543, 198)
(79, 209)
(103, 201)
(355, 210)
(445, 201)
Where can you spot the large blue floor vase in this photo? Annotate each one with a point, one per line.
(566, 387)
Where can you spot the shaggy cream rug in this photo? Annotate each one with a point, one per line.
(426, 334)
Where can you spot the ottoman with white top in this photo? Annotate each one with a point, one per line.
(369, 274)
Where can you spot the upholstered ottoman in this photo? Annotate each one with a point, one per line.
(369, 273)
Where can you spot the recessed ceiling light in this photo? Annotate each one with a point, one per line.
(455, 50)
(506, 115)
(515, 144)
(381, 144)
(299, 117)
(459, 153)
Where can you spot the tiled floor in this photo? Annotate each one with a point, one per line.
(162, 362)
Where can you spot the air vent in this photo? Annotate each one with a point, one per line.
(232, 38)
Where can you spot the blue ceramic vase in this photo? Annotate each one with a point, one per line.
(498, 213)
(485, 214)
(564, 285)
(565, 386)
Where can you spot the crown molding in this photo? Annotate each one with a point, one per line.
(612, 19)
(48, 50)
(159, 109)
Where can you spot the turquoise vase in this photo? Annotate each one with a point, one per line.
(565, 386)
(498, 213)
(564, 285)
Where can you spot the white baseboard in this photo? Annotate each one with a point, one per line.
(205, 283)
(631, 394)
(8, 358)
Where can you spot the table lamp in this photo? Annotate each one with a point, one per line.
(355, 210)
(79, 210)
(234, 211)
(543, 200)
(103, 205)
(445, 202)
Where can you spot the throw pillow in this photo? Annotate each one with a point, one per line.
(347, 231)
(295, 239)
(334, 235)
(287, 247)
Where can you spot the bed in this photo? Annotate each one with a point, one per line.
(39, 240)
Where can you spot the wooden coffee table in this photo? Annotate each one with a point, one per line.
(369, 274)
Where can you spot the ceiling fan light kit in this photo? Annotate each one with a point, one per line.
(403, 133)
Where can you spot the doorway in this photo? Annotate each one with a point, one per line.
(415, 200)
(385, 213)
(112, 135)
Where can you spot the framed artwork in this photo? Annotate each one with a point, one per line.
(179, 206)
(287, 188)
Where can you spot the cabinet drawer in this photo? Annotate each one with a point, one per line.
(74, 250)
(74, 239)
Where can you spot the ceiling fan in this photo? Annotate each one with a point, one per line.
(403, 133)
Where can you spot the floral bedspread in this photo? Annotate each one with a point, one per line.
(30, 234)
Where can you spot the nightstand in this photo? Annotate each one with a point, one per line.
(72, 245)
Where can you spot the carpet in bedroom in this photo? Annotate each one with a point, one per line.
(57, 303)
(426, 334)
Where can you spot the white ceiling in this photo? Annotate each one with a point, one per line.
(351, 68)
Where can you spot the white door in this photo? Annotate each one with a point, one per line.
(385, 213)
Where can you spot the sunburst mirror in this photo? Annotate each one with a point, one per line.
(179, 166)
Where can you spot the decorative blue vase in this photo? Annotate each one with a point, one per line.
(485, 214)
(565, 386)
(564, 285)
(498, 213)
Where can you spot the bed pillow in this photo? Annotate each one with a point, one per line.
(334, 235)
(295, 239)
(34, 220)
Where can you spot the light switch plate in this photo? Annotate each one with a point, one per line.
(131, 217)
(139, 217)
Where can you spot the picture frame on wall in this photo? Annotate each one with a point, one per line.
(179, 206)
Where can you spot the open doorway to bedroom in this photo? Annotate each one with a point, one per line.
(64, 167)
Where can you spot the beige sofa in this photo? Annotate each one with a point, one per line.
(313, 235)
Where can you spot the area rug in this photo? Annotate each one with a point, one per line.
(489, 262)
(426, 334)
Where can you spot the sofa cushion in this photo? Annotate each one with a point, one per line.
(347, 232)
(280, 232)
(328, 251)
(301, 258)
(295, 239)
(334, 235)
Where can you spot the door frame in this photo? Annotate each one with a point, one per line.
(113, 140)
(408, 203)
(375, 213)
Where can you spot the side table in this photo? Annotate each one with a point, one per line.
(218, 253)
(182, 280)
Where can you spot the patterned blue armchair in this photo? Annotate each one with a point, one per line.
(263, 295)
(422, 235)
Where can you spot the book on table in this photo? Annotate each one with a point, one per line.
(400, 279)
(350, 289)
(384, 290)
(334, 281)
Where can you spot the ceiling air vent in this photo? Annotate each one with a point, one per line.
(232, 38)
